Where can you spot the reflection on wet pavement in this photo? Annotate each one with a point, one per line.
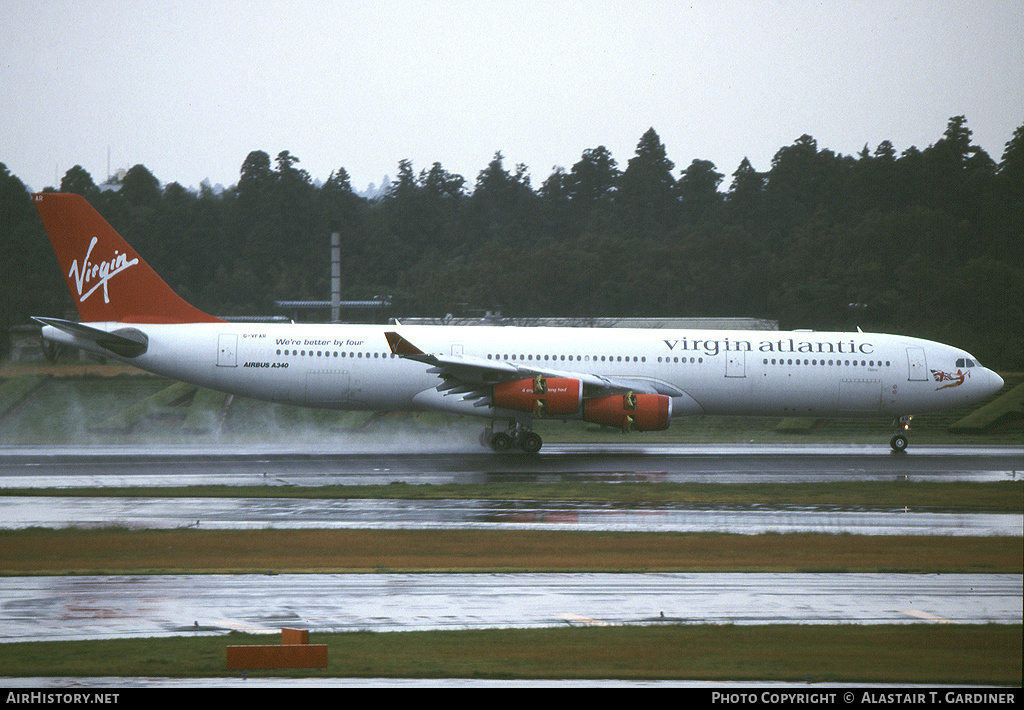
(51, 608)
(259, 513)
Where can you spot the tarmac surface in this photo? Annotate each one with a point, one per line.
(29, 466)
(96, 607)
(292, 513)
(101, 607)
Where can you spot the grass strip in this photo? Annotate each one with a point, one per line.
(1009, 405)
(953, 654)
(1001, 496)
(16, 389)
(123, 551)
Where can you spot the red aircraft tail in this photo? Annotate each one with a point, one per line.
(108, 280)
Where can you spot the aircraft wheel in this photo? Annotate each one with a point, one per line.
(898, 442)
(530, 442)
(501, 441)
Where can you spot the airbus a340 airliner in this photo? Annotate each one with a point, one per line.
(631, 379)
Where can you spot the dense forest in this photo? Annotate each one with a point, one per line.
(929, 242)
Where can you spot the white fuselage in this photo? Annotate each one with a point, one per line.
(753, 373)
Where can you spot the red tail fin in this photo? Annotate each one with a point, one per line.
(108, 279)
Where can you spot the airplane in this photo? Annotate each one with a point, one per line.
(629, 379)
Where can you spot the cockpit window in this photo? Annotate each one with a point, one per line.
(965, 362)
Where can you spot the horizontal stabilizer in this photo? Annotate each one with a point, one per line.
(125, 342)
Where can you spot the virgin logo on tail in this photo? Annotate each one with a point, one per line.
(87, 271)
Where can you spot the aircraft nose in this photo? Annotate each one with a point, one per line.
(995, 382)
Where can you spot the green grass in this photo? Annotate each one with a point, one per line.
(904, 653)
(15, 389)
(39, 551)
(1008, 406)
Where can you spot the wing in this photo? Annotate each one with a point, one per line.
(474, 377)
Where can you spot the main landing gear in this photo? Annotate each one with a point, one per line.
(899, 440)
(517, 436)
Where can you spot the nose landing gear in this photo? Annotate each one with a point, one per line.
(899, 440)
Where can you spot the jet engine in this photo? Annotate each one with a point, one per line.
(630, 412)
(542, 396)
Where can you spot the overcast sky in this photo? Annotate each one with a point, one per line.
(189, 88)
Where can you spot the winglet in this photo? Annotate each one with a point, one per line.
(108, 280)
(401, 346)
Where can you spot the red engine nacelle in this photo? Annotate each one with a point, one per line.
(630, 412)
(542, 396)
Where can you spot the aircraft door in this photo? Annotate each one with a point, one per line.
(227, 350)
(918, 367)
(736, 363)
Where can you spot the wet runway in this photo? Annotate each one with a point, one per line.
(102, 607)
(309, 466)
(52, 608)
(291, 513)
(23, 467)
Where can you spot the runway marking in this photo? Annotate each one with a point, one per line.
(582, 620)
(927, 617)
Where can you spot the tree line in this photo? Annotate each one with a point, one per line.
(928, 242)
